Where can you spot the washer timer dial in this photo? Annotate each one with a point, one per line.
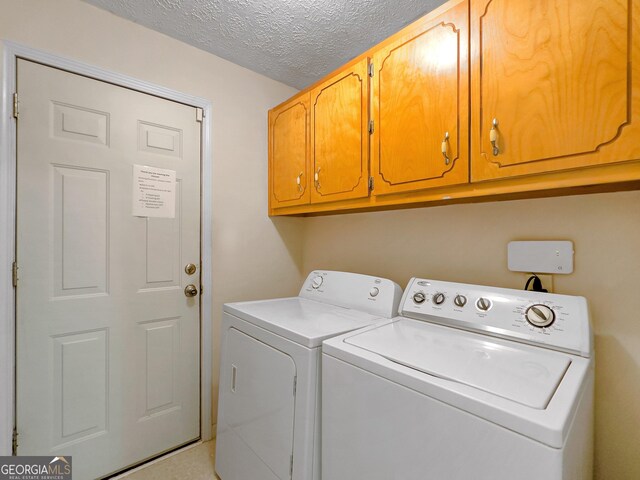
(540, 315)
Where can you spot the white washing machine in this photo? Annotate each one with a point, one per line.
(470, 382)
(268, 412)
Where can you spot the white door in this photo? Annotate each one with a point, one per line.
(107, 341)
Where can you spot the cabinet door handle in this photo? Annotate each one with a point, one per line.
(445, 145)
(493, 137)
(299, 181)
(316, 178)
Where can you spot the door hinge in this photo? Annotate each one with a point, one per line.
(14, 442)
(14, 274)
(371, 69)
(295, 385)
(199, 115)
(370, 127)
(370, 183)
(15, 106)
(291, 466)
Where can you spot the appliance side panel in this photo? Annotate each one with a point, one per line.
(579, 448)
(317, 426)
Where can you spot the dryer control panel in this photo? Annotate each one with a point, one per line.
(374, 295)
(560, 322)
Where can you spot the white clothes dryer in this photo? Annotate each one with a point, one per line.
(470, 382)
(268, 412)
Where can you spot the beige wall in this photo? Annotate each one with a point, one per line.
(253, 256)
(468, 243)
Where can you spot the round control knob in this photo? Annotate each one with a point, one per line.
(483, 304)
(317, 282)
(419, 297)
(439, 298)
(460, 300)
(374, 292)
(540, 315)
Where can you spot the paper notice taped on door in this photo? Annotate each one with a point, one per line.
(154, 192)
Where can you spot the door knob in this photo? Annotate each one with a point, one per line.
(190, 290)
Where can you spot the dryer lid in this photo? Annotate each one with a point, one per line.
(523, 374)
(303, 321)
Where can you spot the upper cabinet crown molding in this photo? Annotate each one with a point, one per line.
(479, 99)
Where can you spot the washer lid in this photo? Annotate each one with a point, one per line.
(303, 321)
(524, 374)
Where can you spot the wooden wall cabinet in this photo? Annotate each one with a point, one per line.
(537, 98)
(289, 154)
(340, 135)
(319, 143)
(561, 79)
(420, 106)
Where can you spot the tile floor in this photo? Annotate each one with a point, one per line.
(194, 463)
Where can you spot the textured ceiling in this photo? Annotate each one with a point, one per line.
(294, 41)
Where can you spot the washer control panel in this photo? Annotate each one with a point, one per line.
(374, 295)
(560, 322)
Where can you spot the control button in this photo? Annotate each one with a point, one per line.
(439, 298)
(483, 304)
(460, 300)
(374, 292)
(317, 282)
(419, 297)
(540, 315)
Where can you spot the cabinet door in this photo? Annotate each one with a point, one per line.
(289, 153)
(340, 136)
(420, 101)
(557, 78)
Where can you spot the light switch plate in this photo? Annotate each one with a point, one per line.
(554, 257)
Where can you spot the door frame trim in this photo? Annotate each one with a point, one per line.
(13, 51)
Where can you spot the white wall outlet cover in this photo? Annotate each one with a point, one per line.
(554, 257)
